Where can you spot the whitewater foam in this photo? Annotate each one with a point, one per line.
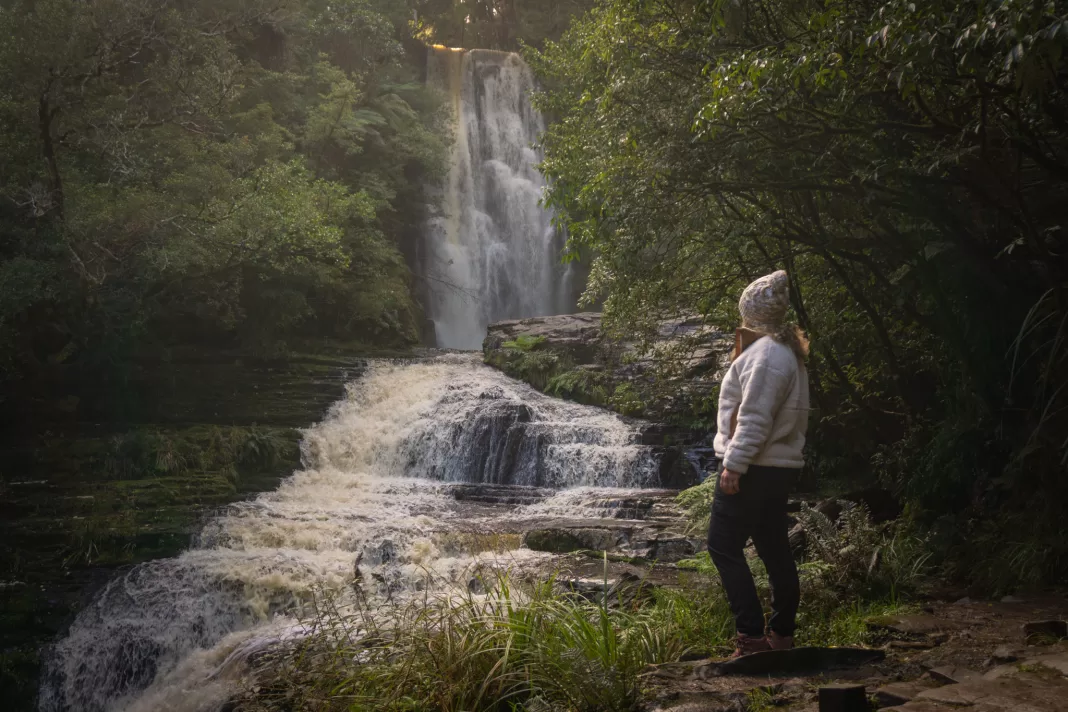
(371, 514)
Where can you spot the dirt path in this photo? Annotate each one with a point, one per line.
(965, 655)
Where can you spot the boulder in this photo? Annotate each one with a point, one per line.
(898, 693)
(564, 541)
(575, 335)
(567, 356)
(670, 549)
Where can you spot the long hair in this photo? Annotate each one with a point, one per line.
(789, 334)
(795, 338)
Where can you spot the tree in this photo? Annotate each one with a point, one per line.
(902, 160)
(240, 174)
(494, 24)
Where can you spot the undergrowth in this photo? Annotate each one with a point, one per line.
(580, 385)
(517, 647)
(525, 359)
(148, 452)
(524, 647)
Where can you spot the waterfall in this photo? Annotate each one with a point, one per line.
(494, 253)
(379, 483)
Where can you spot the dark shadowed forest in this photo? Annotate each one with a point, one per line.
(905, 162)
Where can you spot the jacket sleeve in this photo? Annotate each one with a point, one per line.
(764, 390)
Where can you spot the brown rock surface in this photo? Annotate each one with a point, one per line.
(898, 693)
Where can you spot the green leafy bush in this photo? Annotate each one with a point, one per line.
(527, 360)
(579, 385)
(627, 400)
(696, 504)
(854, 559)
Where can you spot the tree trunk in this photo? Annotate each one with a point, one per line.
(45, 115)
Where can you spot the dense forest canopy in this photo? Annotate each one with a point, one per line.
(243, 174)
(907, 162)
(237, 173)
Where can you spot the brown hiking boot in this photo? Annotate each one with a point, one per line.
(779, 642)
(747, 645)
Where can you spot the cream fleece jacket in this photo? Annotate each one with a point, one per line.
(767, 389)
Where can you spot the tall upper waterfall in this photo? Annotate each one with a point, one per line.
(494, 253)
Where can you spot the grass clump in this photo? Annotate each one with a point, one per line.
(525, 343)
(517, 647)
(852, 570)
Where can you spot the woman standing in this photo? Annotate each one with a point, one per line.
(762, 419)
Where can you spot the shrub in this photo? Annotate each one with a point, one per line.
(579, 385)
(626, 400)
(525, 360)
(696, 503)
(153, 452)
(854, 559)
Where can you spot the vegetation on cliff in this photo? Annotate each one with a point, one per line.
(906, 163)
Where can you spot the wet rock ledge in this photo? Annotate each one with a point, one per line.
(672, 386)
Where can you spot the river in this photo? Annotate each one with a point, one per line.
(389, 478)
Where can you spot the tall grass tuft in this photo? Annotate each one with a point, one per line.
(518, 646)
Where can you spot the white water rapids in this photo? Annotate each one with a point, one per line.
(378, 482)
(494, 253)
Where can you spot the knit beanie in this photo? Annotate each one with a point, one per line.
(764, 303)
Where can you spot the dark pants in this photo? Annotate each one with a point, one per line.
(758, 511)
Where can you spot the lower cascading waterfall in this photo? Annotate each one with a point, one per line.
(175, 634)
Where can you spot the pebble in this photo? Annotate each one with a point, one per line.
(1004, 654)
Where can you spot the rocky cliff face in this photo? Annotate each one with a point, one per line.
(673, 384)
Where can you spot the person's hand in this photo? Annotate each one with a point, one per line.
(729, 482)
